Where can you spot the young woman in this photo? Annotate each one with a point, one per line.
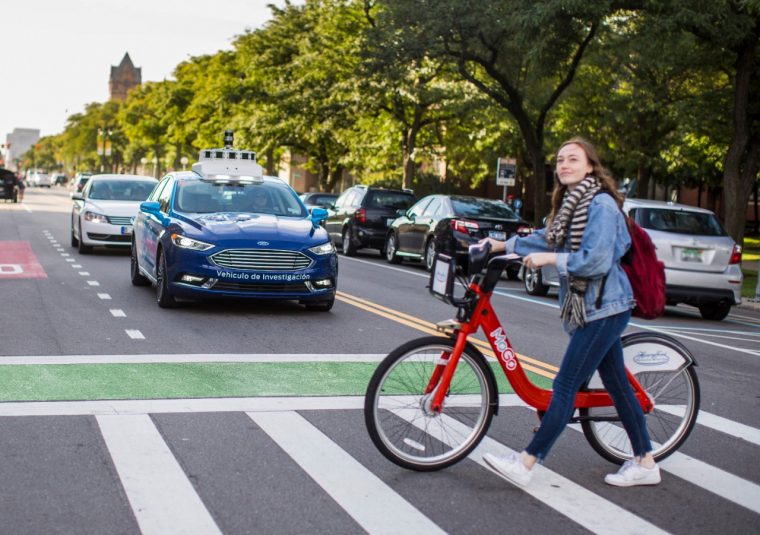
(585, 237)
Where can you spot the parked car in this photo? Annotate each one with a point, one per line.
(103, 212)
(8, 185)
(702, 262)
(450, 224)
(318, 199)
(362, 214)
(58, 179)
(223, 232)
(80, 180)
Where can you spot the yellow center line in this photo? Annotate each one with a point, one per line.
(545, 370)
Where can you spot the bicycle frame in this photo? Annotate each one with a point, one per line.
(483, 316)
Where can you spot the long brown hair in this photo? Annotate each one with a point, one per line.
(606, 180)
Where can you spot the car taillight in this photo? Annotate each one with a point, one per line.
(361, 215)
(736, 255)
(461, 225)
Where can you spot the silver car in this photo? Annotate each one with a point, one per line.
(702, 262)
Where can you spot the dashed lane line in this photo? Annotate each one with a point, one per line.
(134, 334)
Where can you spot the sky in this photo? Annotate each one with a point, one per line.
(57, 54)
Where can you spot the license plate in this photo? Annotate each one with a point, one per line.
(691, 255)
(497, 235)
(389, 221)
(126, 230)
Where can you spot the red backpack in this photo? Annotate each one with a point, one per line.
(645, 271)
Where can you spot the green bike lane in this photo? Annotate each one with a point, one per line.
(89, 378)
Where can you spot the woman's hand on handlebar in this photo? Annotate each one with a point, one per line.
(537, 260)
(497, 246)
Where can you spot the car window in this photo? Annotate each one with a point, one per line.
(164, 198)
(120, 190)
(474, 207)
(396, 200)
(158, 189)
(210, 197)
(341, 202)
(322, 200)
(680, 222)
(419, 208)
(355, 200)
(433, 207)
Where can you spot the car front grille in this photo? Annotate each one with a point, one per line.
(262, 259)
(298, 287)
(120, 238)
(119, 220)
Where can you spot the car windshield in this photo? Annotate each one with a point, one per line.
(681, 222)
(472, 207)
(267, 198)
(121, 190)
(396, 200)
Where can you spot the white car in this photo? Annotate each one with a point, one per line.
(103, 212)
(702, 262)
(40, 179)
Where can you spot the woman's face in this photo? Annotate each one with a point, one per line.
(572, 165)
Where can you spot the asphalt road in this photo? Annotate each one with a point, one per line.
(118, 416)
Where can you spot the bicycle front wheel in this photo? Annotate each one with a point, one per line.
(665, 370)
(397, 410)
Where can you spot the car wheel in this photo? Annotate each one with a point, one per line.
(391, 247)
(715, 311)
(319, 306)
(74, 240)
(430, 254)
(533, 282)
(348, 248)
(134, 269)
(512, 272)
(81, 247)
(164, 298)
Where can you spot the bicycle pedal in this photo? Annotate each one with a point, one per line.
(448, 326)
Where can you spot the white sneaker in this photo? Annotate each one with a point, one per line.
(632, 474)
(511, 467)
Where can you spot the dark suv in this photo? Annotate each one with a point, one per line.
(362, 214)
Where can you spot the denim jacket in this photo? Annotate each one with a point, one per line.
(604, 242)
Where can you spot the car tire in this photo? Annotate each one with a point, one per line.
(430, 253)
(715, 311)
(533, 282)
(81, 247)
(391, 248)
(74, 240)
(512, 273)
(134, 269)
(346, 246)
(319, 306)
(164, 298)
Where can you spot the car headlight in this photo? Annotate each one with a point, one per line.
(189, 243)
(325, 248)
(93, 216)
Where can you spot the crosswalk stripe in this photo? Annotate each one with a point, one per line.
(162, 498)
(561, 494)
(357, 490)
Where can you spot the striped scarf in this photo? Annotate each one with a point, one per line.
(570, 221)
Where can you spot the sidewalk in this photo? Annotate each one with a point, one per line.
(749, 302)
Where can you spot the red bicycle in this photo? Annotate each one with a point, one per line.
(431, 400)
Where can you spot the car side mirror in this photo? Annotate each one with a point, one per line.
(150, 207)
(400, 212)
(318, 215)
(77, 196)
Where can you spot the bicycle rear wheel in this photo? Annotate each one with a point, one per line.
(397, 414)
(665, 369)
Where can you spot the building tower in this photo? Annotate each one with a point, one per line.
(123, 78)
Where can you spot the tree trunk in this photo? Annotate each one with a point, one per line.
(643, 176)
(741, 164)
(269, 155)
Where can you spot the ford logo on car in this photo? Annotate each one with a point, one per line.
(651, 359)
(262, 243)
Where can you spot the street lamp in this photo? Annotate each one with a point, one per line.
(184, 161)
(155, 166)
(144, 162)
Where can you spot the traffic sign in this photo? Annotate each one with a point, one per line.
(506, 169)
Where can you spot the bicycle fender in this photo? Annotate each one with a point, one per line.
(650, 352)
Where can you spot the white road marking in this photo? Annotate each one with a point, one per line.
(718, 423)
(75, 266)
(134, 334)
(72, 260)
(185, 358)
(357, 490)
(117, 313)
(65, 255)
(93, 283)
(162, 498)
(59, 249)
(104, 296)
(84, 273)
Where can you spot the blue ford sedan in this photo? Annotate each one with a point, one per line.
(224, 230)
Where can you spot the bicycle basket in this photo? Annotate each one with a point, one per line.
(442, 278)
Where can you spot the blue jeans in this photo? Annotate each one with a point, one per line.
(595, 346)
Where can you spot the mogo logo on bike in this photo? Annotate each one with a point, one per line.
(507, 355)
